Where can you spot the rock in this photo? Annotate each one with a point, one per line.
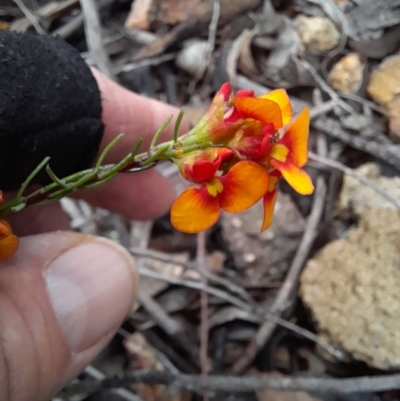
(394, 117)
(359, 198)
(384, 88)
(347, 74)
(317, 34)
(384, 84)
(267, 254)
(193, 57)
(139, 16)
(352, 288)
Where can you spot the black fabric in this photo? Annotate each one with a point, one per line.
(50, 105)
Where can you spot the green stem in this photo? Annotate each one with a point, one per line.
(99, 175)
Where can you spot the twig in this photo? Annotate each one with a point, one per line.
(99, 376)
(162, 257)
(363, 180)
(364, 102)
(324, 86)
(140, 235)
(202, 266)
(93, 38)
(66, 30)
(212, 34)
(236, 49)
(212, 29)
(233, 384)
(30, 16)
(336, 15)
(339, 355)
(389, 154)
(144, 63)
(196, 285)
(158, 314)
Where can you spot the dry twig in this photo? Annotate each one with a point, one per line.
(31, 17)
(212, 34)
(325, 87)
(93, 38)
(389, 154)
(202, 266)
(233, 384)
(363, 180)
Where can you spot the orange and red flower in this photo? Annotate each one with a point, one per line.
(261, 145)
(8, 241)
(269, 138)
(233, 190)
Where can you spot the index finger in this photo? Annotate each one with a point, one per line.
(133, 115)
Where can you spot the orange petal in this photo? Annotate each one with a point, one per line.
(297, 178)
(262, 110)
(5, 228)
(281, 97)
(296, 138)
(269, 201)
(8, 246)
(244, 185)
(194, 210)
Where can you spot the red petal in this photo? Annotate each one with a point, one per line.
(195, 210)
(244, 185)
(225, 91)
(244, 93)
(262, 110)
(204, 170)
(225, 154)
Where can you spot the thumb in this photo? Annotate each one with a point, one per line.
(62, 297)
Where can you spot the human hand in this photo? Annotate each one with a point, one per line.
(63, 295)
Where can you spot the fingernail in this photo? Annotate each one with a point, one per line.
(91, 288)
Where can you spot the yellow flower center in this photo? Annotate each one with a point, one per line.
(272, 183)
(214, 187)
(279, 152)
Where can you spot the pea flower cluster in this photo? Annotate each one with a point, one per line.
(255, 143)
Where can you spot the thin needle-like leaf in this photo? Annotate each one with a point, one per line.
(159, 132)
(177, 125)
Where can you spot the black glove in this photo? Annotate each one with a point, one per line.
(50, 105)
